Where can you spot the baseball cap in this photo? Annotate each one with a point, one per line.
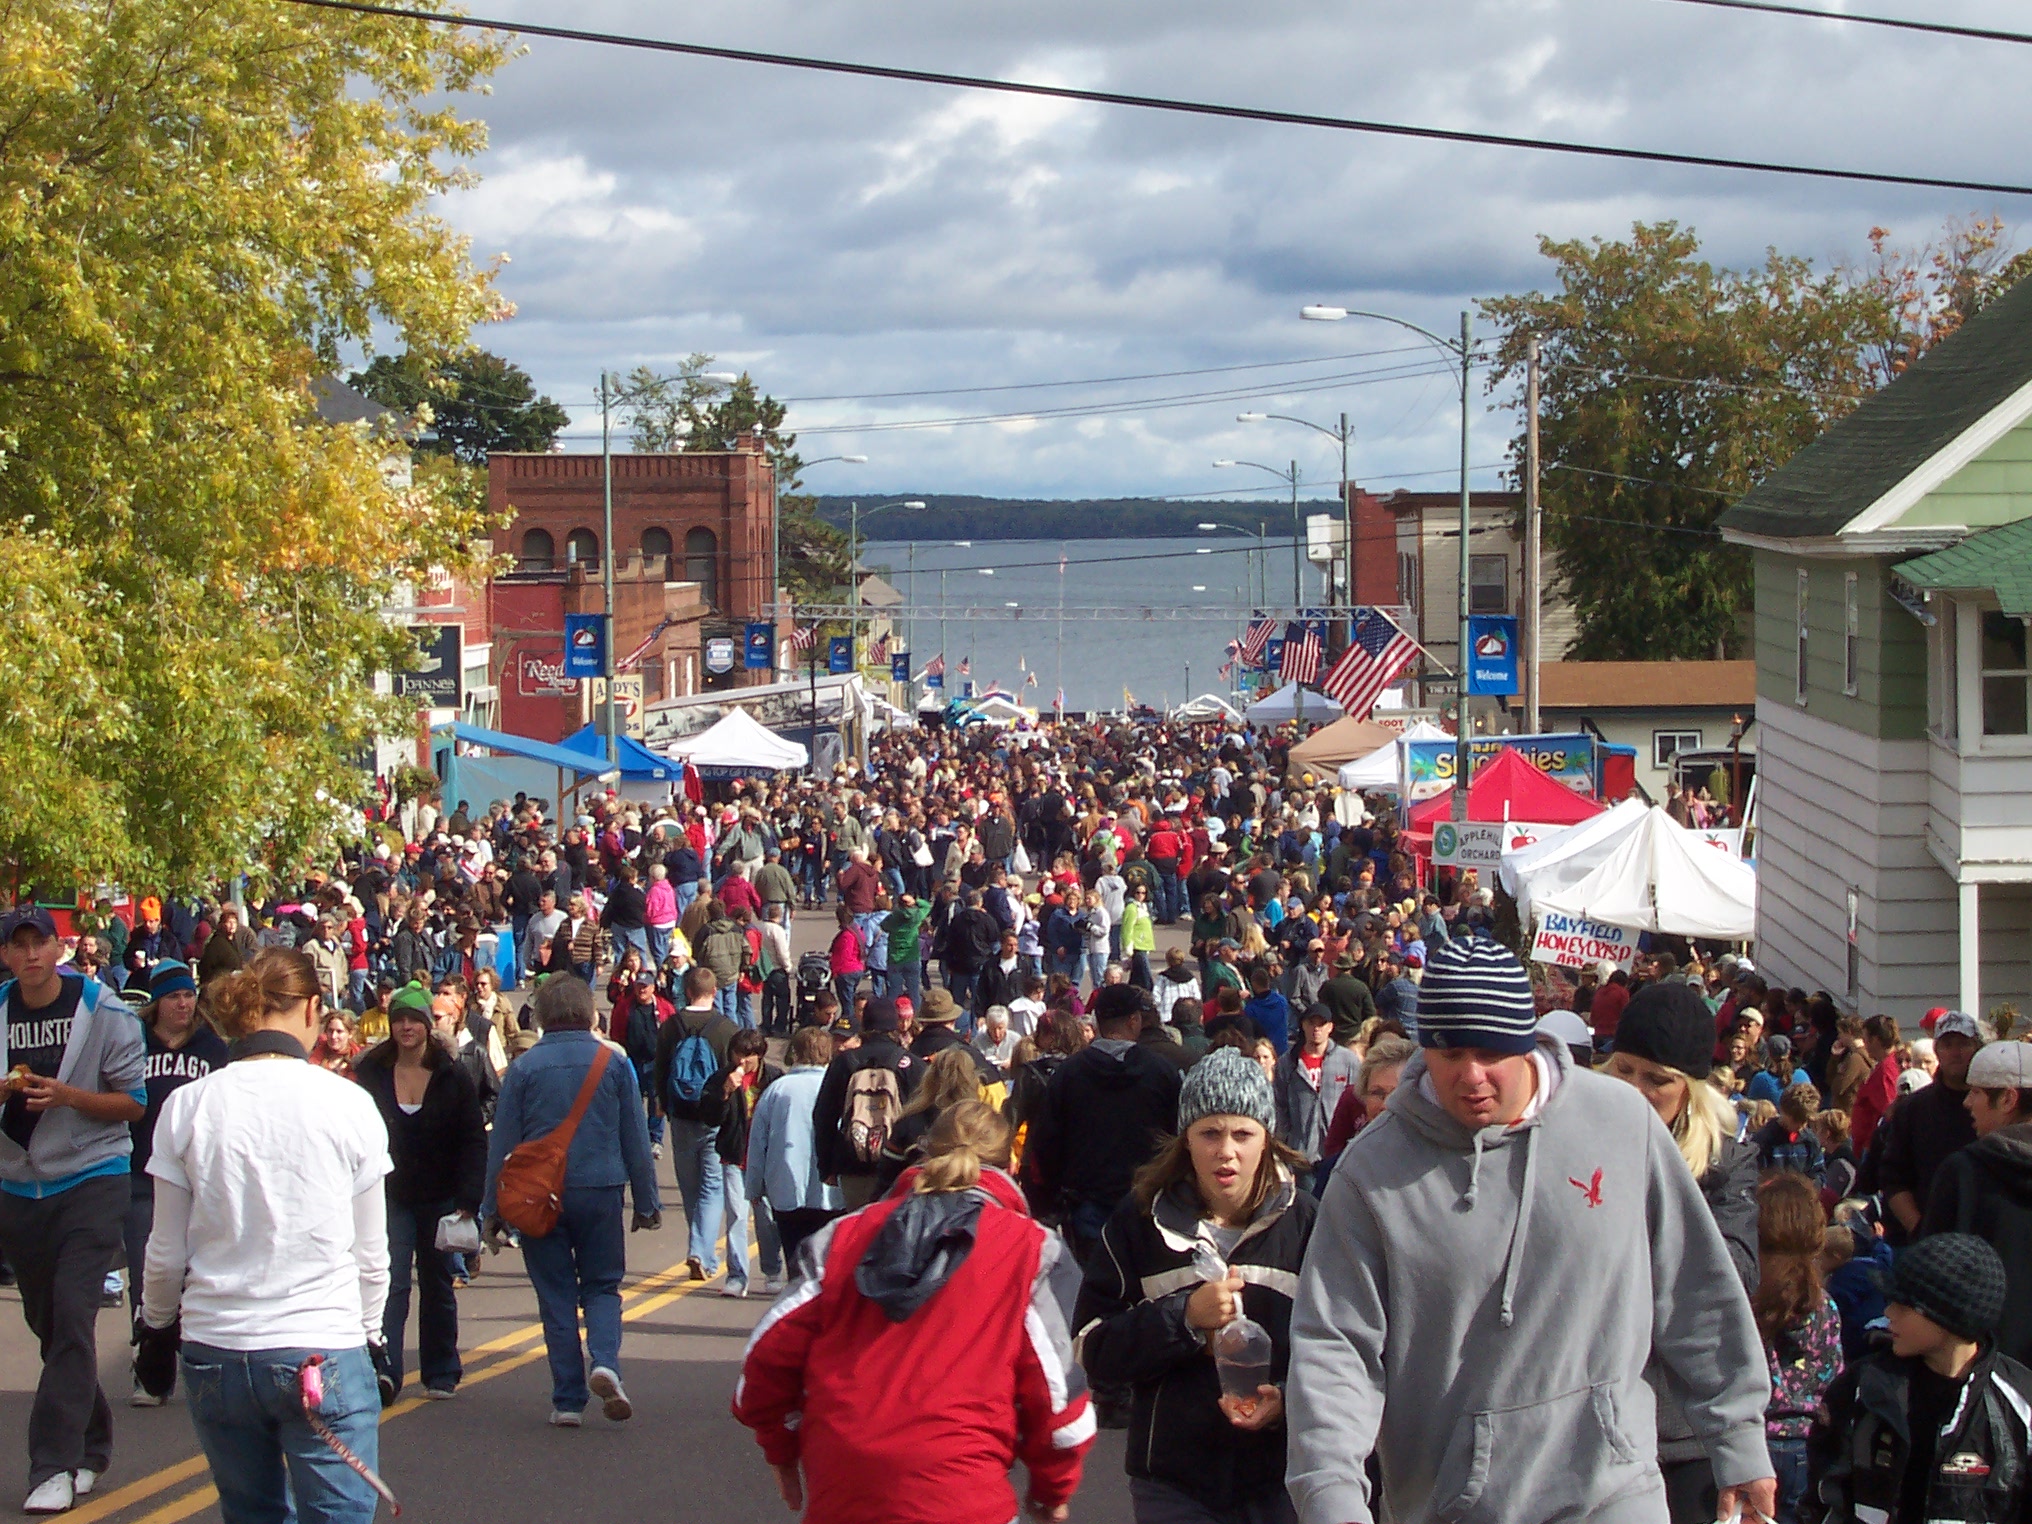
(1957, 1023)
(2002, 1065)
(26, 916)
(645, 977)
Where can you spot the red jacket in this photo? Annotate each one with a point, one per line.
(1873, 1102)
(918, 1422)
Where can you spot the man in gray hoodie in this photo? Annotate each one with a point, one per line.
(1497, 1258)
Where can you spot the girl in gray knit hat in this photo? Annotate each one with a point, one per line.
(1214, 1230)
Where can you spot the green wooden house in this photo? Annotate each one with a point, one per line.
(1893, 581)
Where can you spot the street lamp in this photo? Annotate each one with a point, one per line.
(1260, 555)
(776, 530)
(1289, 474)
(854, 567)
(608, 392)
(1341, 436)
(1461, 349)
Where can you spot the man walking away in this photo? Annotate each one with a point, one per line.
(1986, 1189)
(691, 1054)
(859, 1101)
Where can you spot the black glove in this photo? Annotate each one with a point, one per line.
(649, 1220)
(384, 1372)
(155, 1351)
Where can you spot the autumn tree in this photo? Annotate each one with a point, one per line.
(1670, 387)
(1929, 292)
(473, 403)
(201, 209)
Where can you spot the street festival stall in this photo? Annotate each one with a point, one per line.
(1662, 877)
(1564, 858)
(1326, 750)
(1509, 800)
(1382, 770)
(1281, 707)
(739, 747)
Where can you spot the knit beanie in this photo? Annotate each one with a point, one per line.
(1668, 1024)
(411, 997)
(1476, 995)
(1227, 1083)
(169, 977)
(1955, 1279)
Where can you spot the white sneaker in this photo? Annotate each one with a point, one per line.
(56, 1495)
(656, 1150)
(143, 1398)
(606, 1386)
(735, 1289)
(83, 1481)
(772, 1285)
(559, 1419)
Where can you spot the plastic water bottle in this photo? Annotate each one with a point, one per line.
(1242, 1355)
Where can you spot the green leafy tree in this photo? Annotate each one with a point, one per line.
(1670, 387)
(475, 402)
(200, 208)
(687, 412)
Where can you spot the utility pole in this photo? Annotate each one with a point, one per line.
(1461, 653)
(854, 589)
(1533, 530)
(607, 546)
(1348, 529)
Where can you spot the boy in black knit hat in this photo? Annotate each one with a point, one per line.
(1938, 1425)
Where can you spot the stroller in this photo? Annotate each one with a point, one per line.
(814, 977)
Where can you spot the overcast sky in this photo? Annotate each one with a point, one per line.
(842, 237)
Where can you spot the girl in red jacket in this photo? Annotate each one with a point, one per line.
(920, 1350)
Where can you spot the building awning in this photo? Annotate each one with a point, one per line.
(522, 746)
(1994, 561)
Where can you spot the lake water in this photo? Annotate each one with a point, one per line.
(1159, 657)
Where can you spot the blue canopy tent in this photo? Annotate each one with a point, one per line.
(572, 768)
(638, 764)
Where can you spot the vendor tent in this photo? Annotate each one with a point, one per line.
(1384, 767)
(1208, 706)
(1665, 878)
(1324, 751)
(1564, 858)
(739, 747)
(1281, 707)
(637, 763)
(1509, 788)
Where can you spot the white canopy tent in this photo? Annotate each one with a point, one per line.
(1560, 859)
(1208, 706)
(739, 746)
(1384, 767)
(1281, 707)
(1664, 877)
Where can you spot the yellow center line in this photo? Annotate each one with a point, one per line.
(638, 1301)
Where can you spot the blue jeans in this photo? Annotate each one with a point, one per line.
(961, 988)
(1097, 969)
(636, 937)
(518, 925)
(412, 1236)
(727, 1001)
(1170, 895)
(659, 944)
(248, 1411)
(735, 1180)
(686, 893)
(1788, 1460)
(907, 978)
(579, 1264)
(701, 1185)
(844, 988)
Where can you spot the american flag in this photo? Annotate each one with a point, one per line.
(1254, 639)
(1374, 659)
(935, 667)
(966, 667)
(1030, 679)
(1302, 652)
(804, 639)
(878, 651)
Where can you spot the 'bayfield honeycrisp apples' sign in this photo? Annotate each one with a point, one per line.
(1575, 941)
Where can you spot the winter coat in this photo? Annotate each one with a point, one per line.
(1436, 1326)
(1730, 1190)
(1168, 986)
(1132, 1332)
(735, 1125)
(877, 1050)
(782, 1146)
(1302, 1111)
(1986, 1189)
(1109, 1109)
(440, 1151)
(918, 1352)
(723, 949)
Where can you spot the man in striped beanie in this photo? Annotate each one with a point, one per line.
(1497, 1258)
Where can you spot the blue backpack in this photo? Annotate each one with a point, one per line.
(692, 1067)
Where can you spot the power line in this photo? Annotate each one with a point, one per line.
(1171, 104)
(1643, 481)
(1155, 375)
(1895, 23)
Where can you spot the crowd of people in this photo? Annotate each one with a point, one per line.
(1339, 1209)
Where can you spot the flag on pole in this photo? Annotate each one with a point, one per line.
(1374, 659)
(1255, 639)
(935, 667)
(966, 667)
(878, 652)
(1058, 702)
(1301, 653)
(627, 663)
(1030, 679)
(804, 639)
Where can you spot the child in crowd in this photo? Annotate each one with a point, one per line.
(1799, 1323)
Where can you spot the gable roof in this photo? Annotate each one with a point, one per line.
(1997, 560)
(1976, 383)
(338, 402)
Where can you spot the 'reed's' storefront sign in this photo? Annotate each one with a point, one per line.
(540, 674)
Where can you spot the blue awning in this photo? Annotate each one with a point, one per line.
(636, 760)
(522, 746)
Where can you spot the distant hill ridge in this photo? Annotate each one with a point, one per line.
(950, 517)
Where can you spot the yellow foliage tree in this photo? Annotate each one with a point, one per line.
(201, 209)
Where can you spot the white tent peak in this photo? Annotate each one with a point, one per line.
(738, 740)
(1281, 707)
(1664, 877)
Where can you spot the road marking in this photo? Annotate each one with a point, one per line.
(637, 1301)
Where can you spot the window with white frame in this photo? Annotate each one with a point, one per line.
(1851, 634)
(1799, 662)
(2007, 677)
(1667, 744)
(1488, 584)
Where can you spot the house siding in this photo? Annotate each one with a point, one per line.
(1890, 698)
(1992, 489)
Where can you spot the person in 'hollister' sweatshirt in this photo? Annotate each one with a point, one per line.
(1497, 1258)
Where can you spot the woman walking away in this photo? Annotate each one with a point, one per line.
(271, 1245)
(579, 1262)
(920, 1351)
(1799, 1324)
(1665, 1047)
(181, 1048)
(438, 1141)
(1214, 1232)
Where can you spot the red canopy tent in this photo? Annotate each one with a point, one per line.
(1509, 788)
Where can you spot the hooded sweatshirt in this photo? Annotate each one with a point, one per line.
(1108, 1109)
(1986, 1189)
(1478, 1307)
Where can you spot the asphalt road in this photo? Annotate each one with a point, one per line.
(490, 1454)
